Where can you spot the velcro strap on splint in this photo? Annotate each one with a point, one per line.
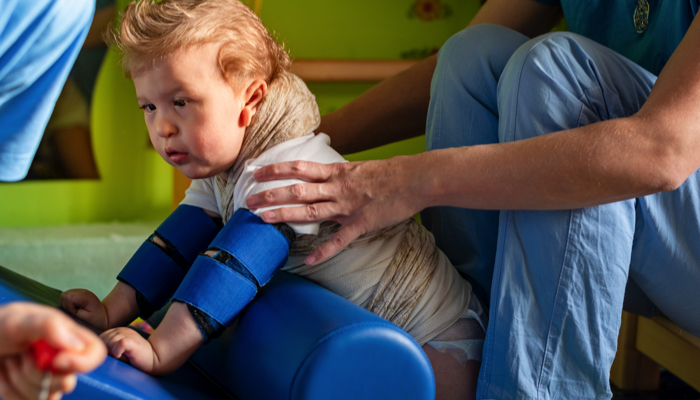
(188, 230)
(216, 290)
(249, 251)
(152, 273)
(156, 272)
(257, 246)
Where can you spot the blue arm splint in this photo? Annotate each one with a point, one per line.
(156, 272)
(249, 251)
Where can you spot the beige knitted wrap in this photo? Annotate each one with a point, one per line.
(392, 287)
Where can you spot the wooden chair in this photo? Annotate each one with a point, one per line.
(645, 345)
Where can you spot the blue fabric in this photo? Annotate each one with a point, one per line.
(39, 40)
(189, 229)
(612, 24)
(556, 279)
(215, 289)
(153, 274)
(259, 247)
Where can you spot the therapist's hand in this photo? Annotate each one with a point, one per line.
(21, 324)
(361, 196)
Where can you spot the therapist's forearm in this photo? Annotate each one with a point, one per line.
(596, 164)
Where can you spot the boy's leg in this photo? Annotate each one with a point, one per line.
(559, 278)
(39, 40)
(463, 112)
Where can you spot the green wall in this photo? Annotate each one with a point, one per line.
(136, 184)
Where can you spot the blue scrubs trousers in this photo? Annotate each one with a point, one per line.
(39, 41)
(555, 280)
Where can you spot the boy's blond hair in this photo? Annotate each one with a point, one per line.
(151, 30)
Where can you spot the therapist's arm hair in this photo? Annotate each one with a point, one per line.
(397, 108)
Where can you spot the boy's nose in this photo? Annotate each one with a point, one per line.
(164, 127)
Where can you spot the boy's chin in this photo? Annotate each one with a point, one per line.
(191, 174)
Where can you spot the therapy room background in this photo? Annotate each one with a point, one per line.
(81, 232)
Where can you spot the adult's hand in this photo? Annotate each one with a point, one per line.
(361, 196)
(21, 324)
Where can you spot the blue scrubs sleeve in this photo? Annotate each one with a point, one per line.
(39, 41)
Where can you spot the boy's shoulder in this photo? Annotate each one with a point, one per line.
(311, 147)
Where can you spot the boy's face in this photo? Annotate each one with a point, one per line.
(191, 111)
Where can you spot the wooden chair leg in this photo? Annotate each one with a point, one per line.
(631, 369)
(670, 346)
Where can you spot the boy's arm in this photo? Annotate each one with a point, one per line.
(159, 265)
(177, 337)
(152, 274)
(220, 283)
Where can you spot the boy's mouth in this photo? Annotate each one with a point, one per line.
(175, 156)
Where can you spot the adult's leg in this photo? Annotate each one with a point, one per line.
(666, 252)
(39, 40)
(463, 112)
(559, 277)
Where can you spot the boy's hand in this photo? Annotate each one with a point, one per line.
(86, 306)
(129, 346)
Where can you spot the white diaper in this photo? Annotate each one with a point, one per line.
(464, 340)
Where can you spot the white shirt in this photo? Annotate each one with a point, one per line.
(202, 192)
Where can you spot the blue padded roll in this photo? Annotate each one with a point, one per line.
(299, 341)
(189, 229)
(152, 273)
(215, 289)
(258, 246)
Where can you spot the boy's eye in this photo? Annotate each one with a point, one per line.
(180, 103)
(148, 107)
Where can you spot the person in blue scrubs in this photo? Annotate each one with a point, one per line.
(562, 179)
(39, 40)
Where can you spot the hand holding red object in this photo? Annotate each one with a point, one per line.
(43, 354)
(42, 342)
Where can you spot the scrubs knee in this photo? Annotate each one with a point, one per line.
(463, 108)
(561, 81)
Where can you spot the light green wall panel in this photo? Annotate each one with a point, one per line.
(361, 28)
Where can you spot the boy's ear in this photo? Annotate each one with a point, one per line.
(253, 95)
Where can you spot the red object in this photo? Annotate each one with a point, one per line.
(43, 354)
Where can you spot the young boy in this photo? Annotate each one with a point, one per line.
(219, 103)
